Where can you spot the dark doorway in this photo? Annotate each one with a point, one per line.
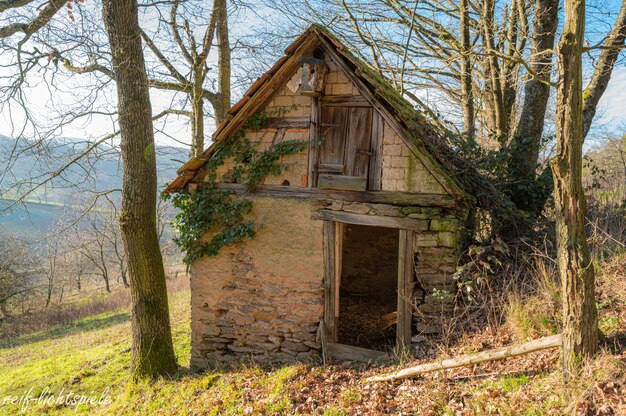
(368, 287)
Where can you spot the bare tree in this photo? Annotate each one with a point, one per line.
(15, 271)
(152, 349)
(92, 244)
(51, 257)
(527, 140)
(580, 320)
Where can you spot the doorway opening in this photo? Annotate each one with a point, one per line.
(368, 297)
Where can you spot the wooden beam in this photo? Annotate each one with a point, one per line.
(489, 355)
(371, 220)
(345, 101)
(405, 289)
(336, 289)
(376, 161)
(350, 183)
(329, 327)
(343, 352)
(313, 140)
(288, 123)
(374, 197)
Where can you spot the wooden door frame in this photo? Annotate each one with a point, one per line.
(332, 248)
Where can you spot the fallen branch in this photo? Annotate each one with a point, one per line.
(489, 355)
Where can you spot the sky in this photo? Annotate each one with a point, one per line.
(610, 114)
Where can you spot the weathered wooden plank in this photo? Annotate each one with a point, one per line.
(329, 327)
(313, 77)
(343, 352)
(288, 122)
(345, 100)
(372, 220)
(330, 168)
(374, 197)
(350, 183)
(376, 160)
(336, 289)
(314, 139)
(279, 136)
(359, 135)
(405, 288)
(333, 135)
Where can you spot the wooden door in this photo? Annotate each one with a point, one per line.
(346, 148)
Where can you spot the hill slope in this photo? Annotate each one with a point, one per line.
(91, 357)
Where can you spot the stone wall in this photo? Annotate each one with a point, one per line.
(337, 83)
(285, 104)
(262, 298)
(402, 171)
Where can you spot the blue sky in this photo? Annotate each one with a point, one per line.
(611, 114)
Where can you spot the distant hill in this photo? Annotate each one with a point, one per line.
(97, 172)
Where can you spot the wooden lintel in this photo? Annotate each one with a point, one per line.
(371, 220)
(375, 197)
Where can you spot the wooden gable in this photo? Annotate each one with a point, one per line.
(362, 145)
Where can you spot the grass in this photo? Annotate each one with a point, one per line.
(91, 357)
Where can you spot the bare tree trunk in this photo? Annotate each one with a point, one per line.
(197, 110)
(224, 66)
(467, 95)
(580, 321)
(49, 294)
(604, 68)
(105, 270)
(510, 68)
(527, 139)
(493, 68)
(123, 273)
(152, 350)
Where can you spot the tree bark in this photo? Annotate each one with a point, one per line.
(467, 95)
(510, 68)
(223, 48)
(152, 350)
(604, 68)
(526, 142)
(492, 69)
(580, 321)
(197, 110)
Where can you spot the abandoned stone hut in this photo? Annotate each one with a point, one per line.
(358, 237)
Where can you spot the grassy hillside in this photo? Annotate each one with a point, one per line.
(91, 357)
